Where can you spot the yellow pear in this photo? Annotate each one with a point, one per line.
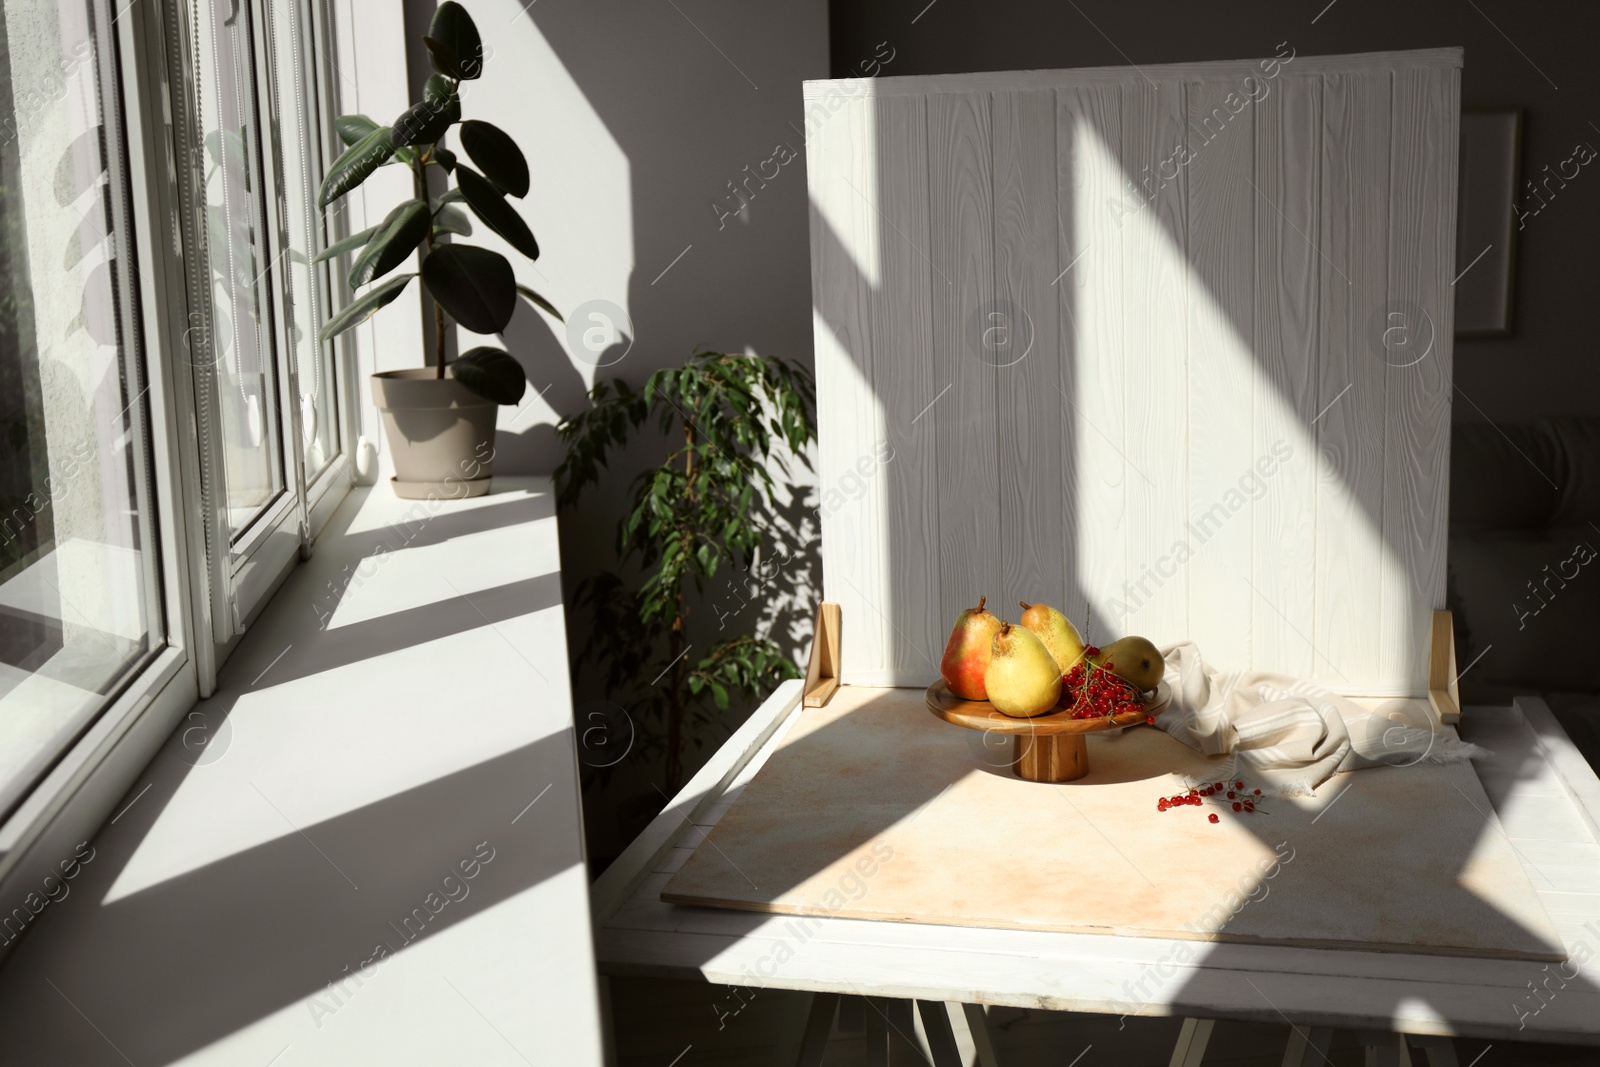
(1134, 660)
(1061, 638)
(1021, 679)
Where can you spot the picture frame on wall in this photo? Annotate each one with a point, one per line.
(1486, 227)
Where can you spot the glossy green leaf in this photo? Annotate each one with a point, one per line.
(495, 211)
(346, 244)
(352, 128)
(363, 306)
(492, 373)
(439, 57)
(425, 122)
(453, 42)
(497, 155)
(437, 89)
(451, 219)
(398, 236)
(539, 301)
(443, 157)
(474, 286)
(354, 165)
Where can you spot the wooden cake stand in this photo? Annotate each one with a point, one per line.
(1045, 748)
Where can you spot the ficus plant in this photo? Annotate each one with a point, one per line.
(700, 509)
(473, 286)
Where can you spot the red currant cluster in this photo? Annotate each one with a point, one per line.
(1242, 801)
(1093, 692)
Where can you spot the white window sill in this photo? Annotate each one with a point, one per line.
(400, 708)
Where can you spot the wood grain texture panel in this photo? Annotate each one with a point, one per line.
(1234, 70)
(1204, 438)
(1289, 264)
(1426, 109)
(1155, 358)
(1351, 379)
(845, 254)
(1032, 425)
(903, 375)
(1091, 197)
(1222, 372)
(961, 250)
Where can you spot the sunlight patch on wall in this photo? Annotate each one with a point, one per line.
(581, 204)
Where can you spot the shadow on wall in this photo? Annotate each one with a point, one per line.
(666, 223)
(636, 131)
(1541, 56)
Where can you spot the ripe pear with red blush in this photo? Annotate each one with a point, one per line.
(966, 654)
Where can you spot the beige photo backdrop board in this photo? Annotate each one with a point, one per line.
(1166, 347)
(872, 808)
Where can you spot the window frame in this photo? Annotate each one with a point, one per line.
(208, 592)
(69, 802)
(246, 571)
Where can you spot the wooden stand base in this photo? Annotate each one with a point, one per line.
(1050, 757)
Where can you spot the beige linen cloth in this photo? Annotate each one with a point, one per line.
(1288, 735)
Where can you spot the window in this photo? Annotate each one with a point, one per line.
(172, 428)
(80, 605)
(256, 123)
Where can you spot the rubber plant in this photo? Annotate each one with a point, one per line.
(471, 285)
(701, 508)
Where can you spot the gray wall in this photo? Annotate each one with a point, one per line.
(1520, 58)
(635, 118)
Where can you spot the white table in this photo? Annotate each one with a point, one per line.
(399, 708)
(1545, 797)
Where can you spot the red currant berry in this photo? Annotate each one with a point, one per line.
(1237, 806)
(1212, 818)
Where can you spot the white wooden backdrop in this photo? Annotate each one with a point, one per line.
(1166, 347)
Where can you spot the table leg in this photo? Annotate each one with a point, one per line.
(1307, 1039)
(852, 1015)
(608, 1029)
(941, 1039)
(1440, 1051)
(877, 1033)
(1386, 1050)
(906, 1047)
(818, 1022)
(976, 1020)
(1192, 1042)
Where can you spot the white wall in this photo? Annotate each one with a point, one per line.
(634, 119)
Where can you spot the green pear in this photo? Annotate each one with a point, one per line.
(1021, 679)
(1133, 659)
(1060, 637)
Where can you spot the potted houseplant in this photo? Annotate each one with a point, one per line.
(439, 420)
(704, 510)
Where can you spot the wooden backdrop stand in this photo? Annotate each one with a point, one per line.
(822, 670)
(1444, 694)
